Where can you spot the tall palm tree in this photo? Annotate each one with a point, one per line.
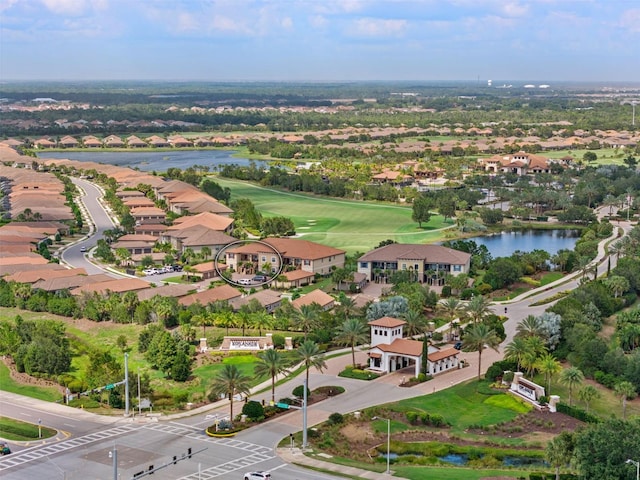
(516, 350)
(309, 354)
(416, 323)
(548, 366)
(587, 394)
(351, 333)
(571, 377)
(626, 391)
(478, 308)
(260, 320)
(230, 381)
(272, 363)
(347, 307)
(476, 338)
(306, 317)
(559, 451)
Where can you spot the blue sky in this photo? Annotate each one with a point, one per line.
(320, 40)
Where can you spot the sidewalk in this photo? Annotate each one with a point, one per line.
(296, 457)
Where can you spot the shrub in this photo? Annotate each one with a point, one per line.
(336, 418)
(578, 413)
(484, 288)
(278, 341)
(467, 293)
(437, 336)
(299, 391)
(253, 410)
(437, 420)
(422, 377)
(412, 417)
(426, 419)
(446, 291)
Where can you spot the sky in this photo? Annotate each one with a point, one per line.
(321, 40)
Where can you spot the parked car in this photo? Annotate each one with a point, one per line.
(177, 268)
(167, 269)
(257, 476)
(259, 278)
(458, 346)
(244, 281)
(150, 271)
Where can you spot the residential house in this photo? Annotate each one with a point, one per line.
(198, 231)
(269, 299)
(135, 142)
(323, 300)
(135, 244)
(68, 142)
(427, 263)
(144, 215)
(91, 142)
(113, 141)
(157, 142)
(285, 254)
(223, 293)
(294, 279)
(121, 285)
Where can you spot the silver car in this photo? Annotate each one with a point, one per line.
(260, 475)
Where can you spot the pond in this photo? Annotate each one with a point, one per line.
(506, 243)
(158, 161)
(462, 459)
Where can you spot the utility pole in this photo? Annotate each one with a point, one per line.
(139, 408)
(114, 456)
(126, 385)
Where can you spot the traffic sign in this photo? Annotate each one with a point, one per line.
(285, 406)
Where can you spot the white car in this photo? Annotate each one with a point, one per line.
(149, 271)
(257, 476)
(245, 281)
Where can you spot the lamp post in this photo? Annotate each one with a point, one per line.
(388, 472)
(637, 464)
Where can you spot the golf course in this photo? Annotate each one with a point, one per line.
(354, 226)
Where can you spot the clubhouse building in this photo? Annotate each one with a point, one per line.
(390, 352)
(427, 263)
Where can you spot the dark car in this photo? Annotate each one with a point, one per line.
(259, 278)
(458, 346)
(177, 268)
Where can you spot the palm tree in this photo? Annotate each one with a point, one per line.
(351, 333)
(260, 320)
(306, 317)
(571, 377)
(416, 323)
(309, 354)
(549, 366)
(529, 326)
(476, 338)
(347, 307)
(559, 451)
(230, 382)
(587, 394)
(478, 308)
(451, 308)
(272, 363)
(626, 391)
(516, 350)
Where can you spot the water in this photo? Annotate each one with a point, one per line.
(455, 459)
(462, 459)
(158, 161)
(505, 243)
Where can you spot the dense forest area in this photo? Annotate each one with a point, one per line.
(270, 107)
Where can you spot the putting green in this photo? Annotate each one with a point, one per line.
(354, 226)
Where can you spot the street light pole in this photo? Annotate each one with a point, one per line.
(304, 416)
(388, 472)
(637, 464)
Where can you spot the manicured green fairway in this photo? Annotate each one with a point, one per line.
(350, 225)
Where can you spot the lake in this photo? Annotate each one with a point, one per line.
(158, 161)
(505, 243)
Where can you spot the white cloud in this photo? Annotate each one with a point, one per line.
(337, 6)
(514, 9)
(375, 27)
(66, 7)
(318, 21)
(287, 23)
(631, 20)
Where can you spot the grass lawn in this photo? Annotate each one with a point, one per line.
(354, 226)
(7, 384)
(463, 406)
(16, 430)
(550, 278)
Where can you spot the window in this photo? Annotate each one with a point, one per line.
(273, 259)
(364, 264)
(385, 333)
(457, 268)
(231, 255)
(416, 267)
(307, 262)
(264, 259)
